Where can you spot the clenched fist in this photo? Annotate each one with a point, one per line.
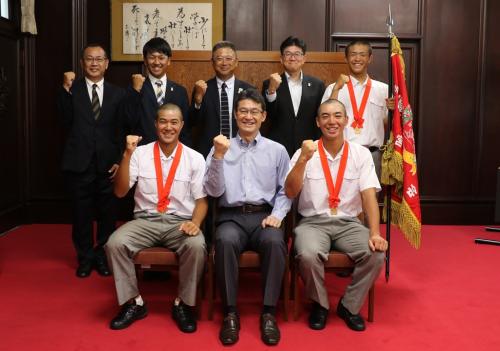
(339, 84)
(68, 79)
(137, 81)
(221, 145)
(307, 150)
(200, 88)
(132, 141)
(274, 83)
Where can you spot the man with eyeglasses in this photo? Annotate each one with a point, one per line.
(89, 108)
(246, 174)
(212, 101)
(146, 94)
(292, 98)
(366, 100)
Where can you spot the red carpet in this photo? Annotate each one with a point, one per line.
(446, 296)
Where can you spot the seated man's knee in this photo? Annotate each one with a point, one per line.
(273, 237)
(307, 257)
(196, 243)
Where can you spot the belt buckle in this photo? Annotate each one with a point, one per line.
(246, 208)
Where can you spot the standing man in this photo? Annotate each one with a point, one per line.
(366, 100)
(213, 100)
(91, 155)
(170, 205)
(292, 98)
(247, 174)
(146, 94)
(335, 180)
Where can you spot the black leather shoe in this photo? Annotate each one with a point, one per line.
(229, 331)
(318, 317)
(129, 313)
(101, 266)
(269, 331)
(84, 269)
(184, 318)
(353, 321)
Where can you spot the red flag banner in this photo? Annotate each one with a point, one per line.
(399, 162)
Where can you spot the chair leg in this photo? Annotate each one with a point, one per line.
(211, 288)
(371, 303)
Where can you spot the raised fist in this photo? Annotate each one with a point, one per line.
(307, 150)
(200, 88)
(137, 81)
(221, 145)
(341, 80)
(132, 141)
(274, 82)
(68, 79)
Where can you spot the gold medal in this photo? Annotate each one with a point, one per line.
(357, 130)
(333, 211)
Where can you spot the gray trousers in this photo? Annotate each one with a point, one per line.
(161, 230)
(377, 161)
(314, 238)
(237, 232)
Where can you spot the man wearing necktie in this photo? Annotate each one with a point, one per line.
(89, 108)
(212, 101)
(146, 94)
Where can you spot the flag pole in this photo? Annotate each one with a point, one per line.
(388, 188)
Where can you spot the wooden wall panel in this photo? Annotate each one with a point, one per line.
(303, 19)
(244, 25)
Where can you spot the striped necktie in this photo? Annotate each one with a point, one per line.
(159, 92)
(96, 106)
(225, 126)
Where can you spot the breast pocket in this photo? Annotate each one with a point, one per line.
(350, 185)
(146, 183)
(378, 107)
(315, 181)
(181, 189)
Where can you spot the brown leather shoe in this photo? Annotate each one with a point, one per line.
(269, 331)
(230, 328)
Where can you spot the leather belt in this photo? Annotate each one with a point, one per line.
(373, 148)
(248, 208)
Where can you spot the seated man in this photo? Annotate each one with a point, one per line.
(335, 179)
(170, 205)
(247, 174)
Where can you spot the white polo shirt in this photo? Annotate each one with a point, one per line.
(372, 133)
(186, 187)
(359, 175)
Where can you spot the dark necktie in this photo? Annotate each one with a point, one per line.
(159, 92)
(225, 126)
(96, 106)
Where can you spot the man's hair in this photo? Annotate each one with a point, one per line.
(293, 41)
(169, 107)
(157, 45)
(223, 44)
(93, 45)
(358, 42)
(251, 94)
(331, 102)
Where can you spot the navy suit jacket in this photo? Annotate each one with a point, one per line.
(86, 136)
(282, 124)
(207, 117)
(140, 109)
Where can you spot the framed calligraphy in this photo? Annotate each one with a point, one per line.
(185, 24)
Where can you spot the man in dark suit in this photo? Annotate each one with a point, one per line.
(146, 94)
(91, 155)
(292, 98)
(210, 108)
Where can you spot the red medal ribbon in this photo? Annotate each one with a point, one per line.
(164, 191)
(333, 191)
(358, 114)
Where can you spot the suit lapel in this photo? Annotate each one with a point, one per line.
(81, 94)
(213, 95)
(304, 98)
(149, 93)
(285, 92)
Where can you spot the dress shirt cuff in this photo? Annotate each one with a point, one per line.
(197, 106)
(215, 178)
(278, 213)
(271, 97)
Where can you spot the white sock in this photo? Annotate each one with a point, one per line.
(139, 301)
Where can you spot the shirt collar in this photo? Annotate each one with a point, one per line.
(91, 83)
(229, 82)
(329, 157)
(163, 157)
(243, 143)
(356, 82)
(293, 81)
(162, 79)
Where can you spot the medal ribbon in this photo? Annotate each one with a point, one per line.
(333, 191)
(164, 191)
(358, 114)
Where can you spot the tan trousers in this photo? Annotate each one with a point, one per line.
(315, 237)
(161, 230)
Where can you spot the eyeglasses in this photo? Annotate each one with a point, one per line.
(154, 57)
(361, 54)
(221, 59)
(90, 59)
(296, 55)
(253, 112)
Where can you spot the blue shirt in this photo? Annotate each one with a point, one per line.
(251, 173)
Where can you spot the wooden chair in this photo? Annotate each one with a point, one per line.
(249, 260)
(162, 259)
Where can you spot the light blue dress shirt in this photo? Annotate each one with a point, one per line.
(251, 173)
